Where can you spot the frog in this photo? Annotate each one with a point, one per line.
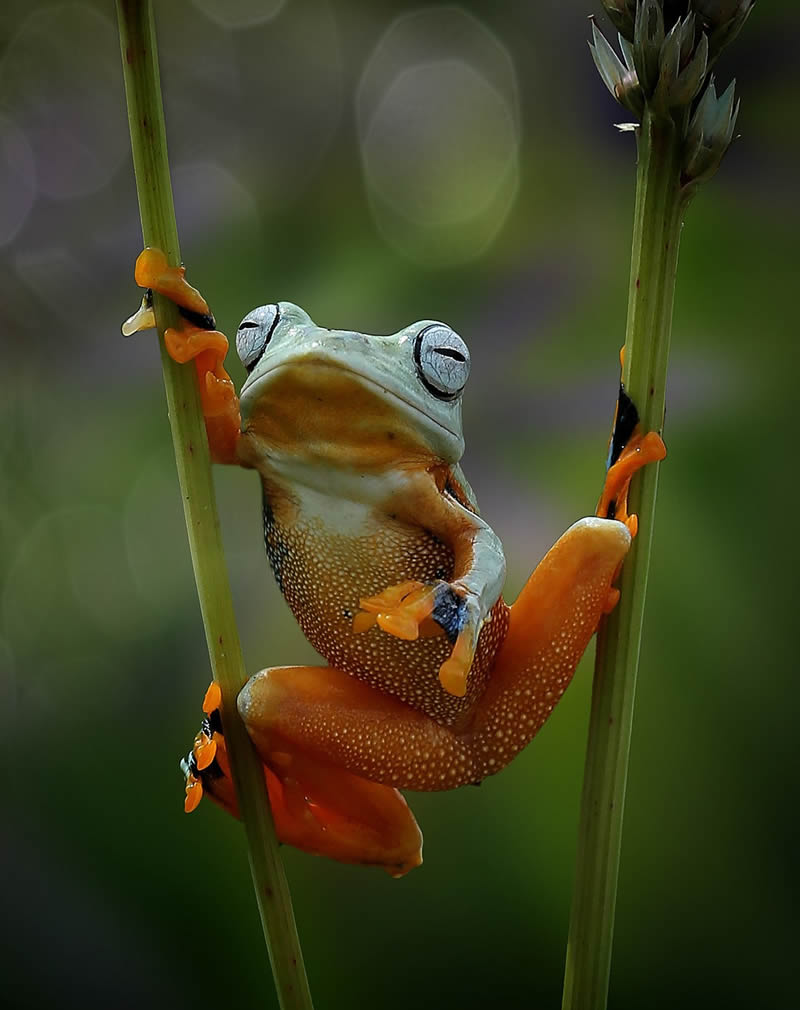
(431, 680)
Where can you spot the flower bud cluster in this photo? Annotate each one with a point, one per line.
(668, 48)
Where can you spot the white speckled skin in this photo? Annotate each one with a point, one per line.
(358, 465)
(375, 538)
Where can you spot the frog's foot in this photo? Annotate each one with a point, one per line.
(154, 272)
(403, 611)
(628, 452)
(195, 339)
(316, 807)
(206, 762)
(638, 452)
(413, 610)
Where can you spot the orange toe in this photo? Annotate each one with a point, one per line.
(453, 673)
(213, 698)
(153, 271)
(639, 451)
(194, 793)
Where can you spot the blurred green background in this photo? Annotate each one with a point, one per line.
(380, 163)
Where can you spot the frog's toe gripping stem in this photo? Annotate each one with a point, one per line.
(639, 451)
(628, 451)
(316, 807)
(196, 340)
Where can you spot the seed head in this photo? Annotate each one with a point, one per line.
(710, 133)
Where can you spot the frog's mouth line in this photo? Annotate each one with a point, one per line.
(250, 387)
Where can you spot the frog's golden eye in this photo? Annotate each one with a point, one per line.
(255, 332)
(442, 360)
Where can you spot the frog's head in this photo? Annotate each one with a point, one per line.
(330, 391)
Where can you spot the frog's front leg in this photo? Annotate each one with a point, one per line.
(195, 339)
(459, 607)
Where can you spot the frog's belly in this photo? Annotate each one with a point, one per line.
(326, 560)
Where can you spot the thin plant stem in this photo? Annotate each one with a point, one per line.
(148, 143)
(658, 219)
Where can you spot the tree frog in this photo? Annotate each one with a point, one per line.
(431, 679)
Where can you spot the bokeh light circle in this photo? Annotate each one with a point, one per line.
(17, 180)
(441, 144)
(60, 74)
(68, 586)
(237, 14)
(438, 117)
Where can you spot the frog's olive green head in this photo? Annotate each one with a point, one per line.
(405, 387)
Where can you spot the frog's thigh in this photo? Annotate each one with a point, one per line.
(551, 623)
(329, 716)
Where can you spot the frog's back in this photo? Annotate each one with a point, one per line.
(327, 553)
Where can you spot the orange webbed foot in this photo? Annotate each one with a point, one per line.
(413, 610)
(629, 451)
(202, 764)
(195, 339)
(402, 611)
(154, 272)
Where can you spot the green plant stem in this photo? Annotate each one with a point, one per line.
(658, 218)
(148, 142)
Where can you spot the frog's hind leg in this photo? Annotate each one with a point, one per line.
(550, 625)
(327, 716)
(316, 807)
(334, 718)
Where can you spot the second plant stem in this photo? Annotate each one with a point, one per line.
(658, 219)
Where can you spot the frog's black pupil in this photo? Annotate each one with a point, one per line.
(248, 324)
(448, 352)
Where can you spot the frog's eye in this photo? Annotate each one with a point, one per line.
(255, 332)
(442, 360)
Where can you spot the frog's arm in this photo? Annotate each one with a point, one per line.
(458, 607)
(195, 339)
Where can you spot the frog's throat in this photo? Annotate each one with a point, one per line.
(253, 388)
